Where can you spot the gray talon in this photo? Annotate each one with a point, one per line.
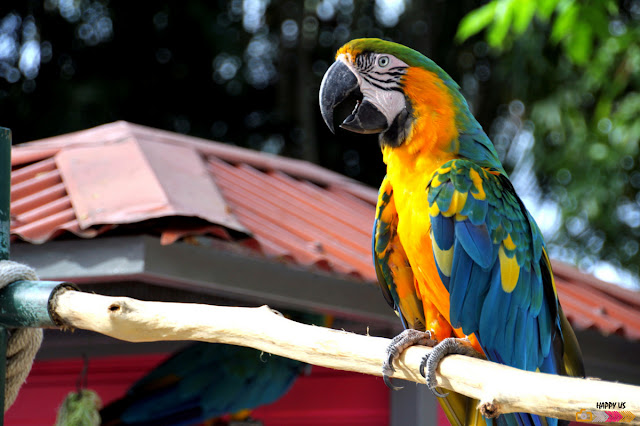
(389, 383)
(399, 343)
(423, 363)
(430, 362)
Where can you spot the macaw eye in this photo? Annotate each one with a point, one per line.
(383, 61)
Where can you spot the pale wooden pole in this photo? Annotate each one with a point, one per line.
(504, 388)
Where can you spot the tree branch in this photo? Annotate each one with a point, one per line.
(508, 389)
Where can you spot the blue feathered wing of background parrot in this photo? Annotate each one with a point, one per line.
(202, 382)
(206, 381)
(457, 254)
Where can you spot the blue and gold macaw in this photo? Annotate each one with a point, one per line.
(457, 254)
(204, 381)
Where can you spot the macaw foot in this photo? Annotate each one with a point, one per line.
(399, 344)
(450, 345)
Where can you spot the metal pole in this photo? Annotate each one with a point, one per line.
(22, 303)
(5, 223)
(28, 303)
(5, 191)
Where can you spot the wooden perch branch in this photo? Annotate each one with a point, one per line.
(508, 389)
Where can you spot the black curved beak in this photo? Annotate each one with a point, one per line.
(337, 84)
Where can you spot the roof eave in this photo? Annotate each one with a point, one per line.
(204, 270)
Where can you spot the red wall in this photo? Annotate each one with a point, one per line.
(326, 397)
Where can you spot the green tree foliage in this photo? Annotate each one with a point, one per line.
(576, 65)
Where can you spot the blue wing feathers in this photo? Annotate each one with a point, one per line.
(544, 327)
(505, 342)
(486, 330)
(533, 356)
(499, 233)
(444, 197)
(203, 381)
(494, 316)
(472, 306)
(517, 325)
(536, 294)
(461, 182)
(548, 365)
(476, 242)
(525, 419)
(493, 219)
(510, 419)
(459, 282)
(521, 339)
(522, 292)
(537, 421)
(476, 210)
(443, 231)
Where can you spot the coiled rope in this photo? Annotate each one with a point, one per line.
(23, 343)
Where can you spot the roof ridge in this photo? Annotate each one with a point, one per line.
(118, 130)
(79, 137)
(262, 160)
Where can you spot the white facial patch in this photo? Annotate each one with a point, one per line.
(378, 79)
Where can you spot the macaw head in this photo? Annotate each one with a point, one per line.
(399, 91)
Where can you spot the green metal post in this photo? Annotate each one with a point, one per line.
(5, 222)
(28, 303)
(5, 191)
(22, 303)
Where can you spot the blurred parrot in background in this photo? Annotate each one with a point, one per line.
(202, 382)
(457, 254)
(206, 381)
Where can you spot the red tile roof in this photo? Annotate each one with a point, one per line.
(121, 174)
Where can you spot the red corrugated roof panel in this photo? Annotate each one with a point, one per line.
(88, 182)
